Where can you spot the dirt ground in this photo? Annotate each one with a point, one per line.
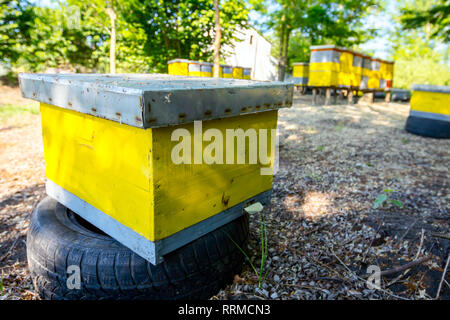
(322, 228)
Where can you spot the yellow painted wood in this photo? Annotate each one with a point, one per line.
(102, 162)
(345, 79)
(187, 194)
(323, 78)
(178, 68)
(195, 74)
(355, 79)
(434, 102)
(374, 83)
(127, 172)
(237, 73)
(324, 66)
(300, 71)
(346, 62)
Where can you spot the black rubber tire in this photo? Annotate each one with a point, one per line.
(428, 127)
(57, 238)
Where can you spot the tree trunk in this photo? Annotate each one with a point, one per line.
(281, 52)
(217, 40)
(285, 53)
(112, 45)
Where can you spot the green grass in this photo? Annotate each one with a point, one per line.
(8, 111)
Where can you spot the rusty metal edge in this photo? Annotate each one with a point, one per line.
(147, 108)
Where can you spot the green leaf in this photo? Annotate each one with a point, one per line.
(379, 200)
(398, 203)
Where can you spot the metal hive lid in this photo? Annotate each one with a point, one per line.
(157, 100)
(430, 88)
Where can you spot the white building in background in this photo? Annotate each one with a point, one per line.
(253, 51)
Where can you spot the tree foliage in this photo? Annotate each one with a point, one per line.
(436, 17)
(76, 34)
(302, 23)
(420, 55)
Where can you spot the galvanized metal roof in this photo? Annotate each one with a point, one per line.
(157, 100)
(332, 46)
(430, 88)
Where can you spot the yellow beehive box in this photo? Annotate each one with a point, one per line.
(324, 66)
(374, 83)
(300, 73)
(227, 71)
(355, 80)
(178, 67)
(206, 69)
(247, 73)
(112, 152)
(346, 61)
(194, 69)
(429, 111)
(300, 69)
(357, 64)
(431, 99)
(367, 66)
(323, 79)
(237, 72)
(345, 79)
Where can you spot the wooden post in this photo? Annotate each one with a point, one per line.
(314, 94)
(334, 96)
(388, 96)
(371, 96)
(327, 96)
(350, 96)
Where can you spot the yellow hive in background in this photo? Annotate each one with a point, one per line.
(183, 67)
(300, 70)
(237, 73)
(324, 66)
(206, 69)
(227, 71)
(194, 69)
(331, 66)
(178, 67)
(346, 62)
(323, 79)
(300, 73)
(247, 73)
(357, 64)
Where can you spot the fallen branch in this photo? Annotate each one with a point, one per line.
(415, 258)
(405, 266)
(442, 279)
(440, 235)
